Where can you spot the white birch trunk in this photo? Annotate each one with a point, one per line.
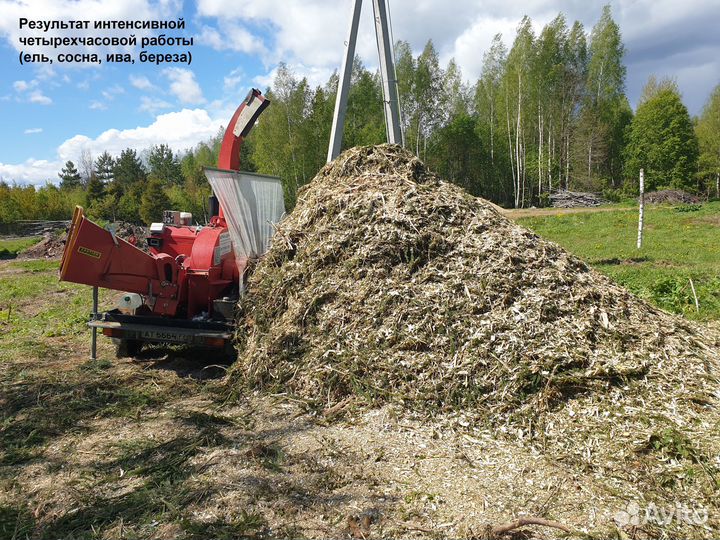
(540, 149)
(521, 172)
(492, 121)
(567, 161)
(642, 209)
(510, 146)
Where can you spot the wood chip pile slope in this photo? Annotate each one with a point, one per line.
(389, 285)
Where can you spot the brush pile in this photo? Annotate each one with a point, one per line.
(386, 284)
(575, 199)
(52, 244)
(671, 196)
(50, 247)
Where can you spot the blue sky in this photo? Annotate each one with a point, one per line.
(50, 114)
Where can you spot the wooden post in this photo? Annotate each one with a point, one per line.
(93, 343)
(697, 304)
(642, 209)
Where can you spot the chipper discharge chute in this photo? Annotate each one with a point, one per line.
(185, 289)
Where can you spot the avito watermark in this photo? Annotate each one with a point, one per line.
(634, 514)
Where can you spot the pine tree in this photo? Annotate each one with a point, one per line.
(104, 166)
(69, 177)
(164, 165)
(457, 153)
(95, 189)
(662, 141)
(154, 201)
(128, 169)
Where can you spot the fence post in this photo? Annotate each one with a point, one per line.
(642, 209)
(93, 343)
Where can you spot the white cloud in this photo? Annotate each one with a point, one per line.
(469, 47)
(20, 86)
(233, 80)
(230, 36)
(31, 171)
(180, 130)
(153, 105)
(30, 131)
(316, 76)
(97, 105)
(307, 31)
(36, 96)
(141, 82)
(28, 91)
(110, 93)
(184, 86)
(312, 32)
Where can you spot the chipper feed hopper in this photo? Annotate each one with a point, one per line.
(185, 289)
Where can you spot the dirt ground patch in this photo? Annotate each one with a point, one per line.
(712, 220)
(266, 467)
(540, 212)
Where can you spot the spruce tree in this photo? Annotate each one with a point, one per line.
(104, 165)
(164, 165)
(128, 169)
(95, 189)
(69, 176)
(153, 202)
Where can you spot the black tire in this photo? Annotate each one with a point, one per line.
(128, 348)
(230, 352)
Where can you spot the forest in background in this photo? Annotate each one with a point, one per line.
(549, 113)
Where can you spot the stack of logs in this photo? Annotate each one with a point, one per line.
(575, 199)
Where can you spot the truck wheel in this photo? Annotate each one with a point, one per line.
(128, 348)
(229, 352)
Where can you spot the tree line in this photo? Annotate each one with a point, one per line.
(548, 113)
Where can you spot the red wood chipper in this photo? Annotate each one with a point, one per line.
(185, 289)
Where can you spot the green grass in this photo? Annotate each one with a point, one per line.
(10, 247)
(50, 395)
(679, 244)
(35, 305)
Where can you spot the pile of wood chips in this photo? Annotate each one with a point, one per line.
(388, 285)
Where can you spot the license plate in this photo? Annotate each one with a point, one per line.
(161, 335)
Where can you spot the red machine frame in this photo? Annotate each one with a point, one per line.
(188, 271)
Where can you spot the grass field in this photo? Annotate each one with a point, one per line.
(680, 243)
(149, 448)
(10, 247)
